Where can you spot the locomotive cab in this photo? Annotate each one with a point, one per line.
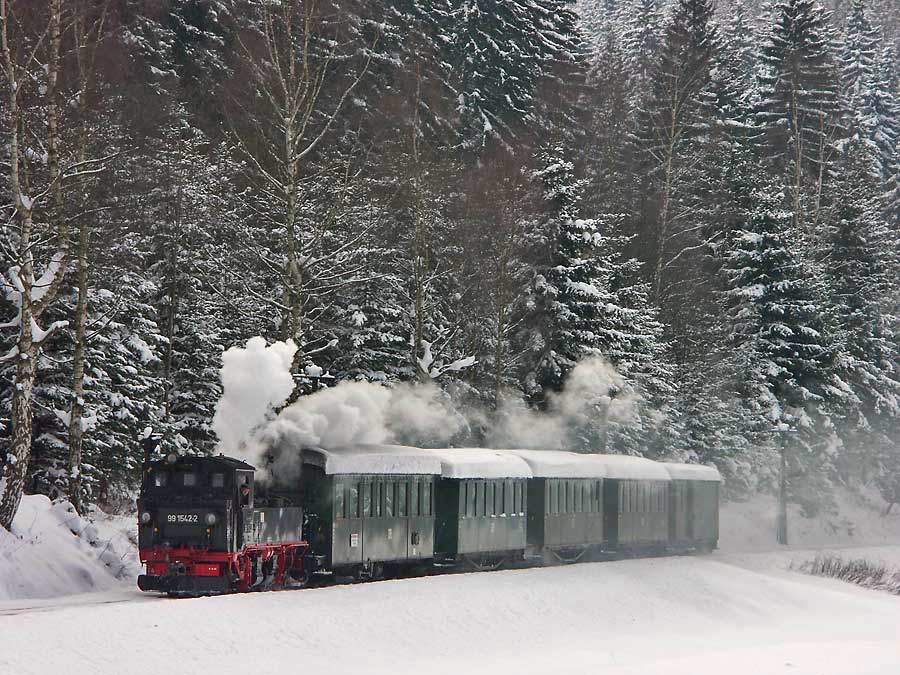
(193, 502)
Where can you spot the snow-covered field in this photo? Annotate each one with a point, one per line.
(738, 611)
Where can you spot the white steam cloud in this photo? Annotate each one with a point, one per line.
(594, 395)
(257, 381)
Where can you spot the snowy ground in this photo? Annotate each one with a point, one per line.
(738, 611)
(51, 551)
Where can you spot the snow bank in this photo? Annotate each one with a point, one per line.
(52, 551)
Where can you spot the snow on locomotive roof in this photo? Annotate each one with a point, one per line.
(692, 472)
(626, 467)
(373, 459)
(480, 463)
(561, 464)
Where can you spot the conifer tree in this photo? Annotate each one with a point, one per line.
(564, 293)
(500, 49)
(778, 329)
(642, 40)
(859, 53)
(674, 117)
(862, 263)
(800, 107)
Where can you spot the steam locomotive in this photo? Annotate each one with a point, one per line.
(206, 526)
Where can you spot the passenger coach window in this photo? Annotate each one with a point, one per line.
(426, 499)
(338, 499)
(353, 499)
(470, 499)
(189, 479)
(367, 499)
(389, 499)
(218, 480)
(401, 499)
(414, 506)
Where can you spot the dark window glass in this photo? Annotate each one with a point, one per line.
(353, 499)
(378, 499)
(426, 499)
(217, 480)
(338, 499)
(551, 496)
(389, 499)
(414, 505)
(367, 499)
(189, 479)
(488, 498)
(470, 499)
(479, 503)
(160, 479)
(401, 499)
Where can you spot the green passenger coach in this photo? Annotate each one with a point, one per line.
(481, 505)
(374, 505)
(565, 503)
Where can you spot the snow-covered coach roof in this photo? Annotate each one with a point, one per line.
(373, 459)
(480, 463)
(626, 467)
(561, 464)
(692, 472)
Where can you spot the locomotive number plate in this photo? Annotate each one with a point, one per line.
(183, 518)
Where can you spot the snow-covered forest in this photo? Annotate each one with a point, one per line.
(480, 194)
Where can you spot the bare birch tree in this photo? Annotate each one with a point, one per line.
(30, 41)
(302, 63)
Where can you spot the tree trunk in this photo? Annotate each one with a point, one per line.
(76, 410)
(12, 477)
(781, 534)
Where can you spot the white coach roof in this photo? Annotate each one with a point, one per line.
(480, 463)
(373, 459)
(626, 467)
(561, 464)
(692, 472)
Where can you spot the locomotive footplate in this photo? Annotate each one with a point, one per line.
(183, 584)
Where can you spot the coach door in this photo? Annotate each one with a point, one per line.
(611, 513)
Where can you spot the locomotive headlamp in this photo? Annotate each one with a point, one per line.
(145, 517)
(171, 458)
(210, 518)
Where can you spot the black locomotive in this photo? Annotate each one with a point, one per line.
(199, 531)
(369, 510)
